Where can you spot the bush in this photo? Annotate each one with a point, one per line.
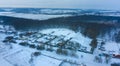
(9, 38)
(5, 41)
(102, 43)
(37, 53)
(117, 37)
(115, 64)
(32, 46)
(65, 52)
(93, 45)
(24, 43)
(12, 41)
(59, 51)
(41, 47)
(50, 49)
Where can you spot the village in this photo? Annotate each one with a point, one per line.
(56, 47)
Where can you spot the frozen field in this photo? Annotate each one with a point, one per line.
(31, 16)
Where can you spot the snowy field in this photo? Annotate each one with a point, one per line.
(31, 16)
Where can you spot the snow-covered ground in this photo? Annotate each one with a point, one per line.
(31, 16)
(112, 46)
(14, 54)
(76, 37)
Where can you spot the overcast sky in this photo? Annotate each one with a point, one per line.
(82, 4)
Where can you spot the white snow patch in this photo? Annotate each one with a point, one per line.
(31, 16)
(112, 46)
(77, 37)
(46, 61)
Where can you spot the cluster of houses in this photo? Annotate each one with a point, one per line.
(40, 41)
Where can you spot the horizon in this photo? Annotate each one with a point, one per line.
(55, 8)
(69, 4)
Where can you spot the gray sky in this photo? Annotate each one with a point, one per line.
(82, 4)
